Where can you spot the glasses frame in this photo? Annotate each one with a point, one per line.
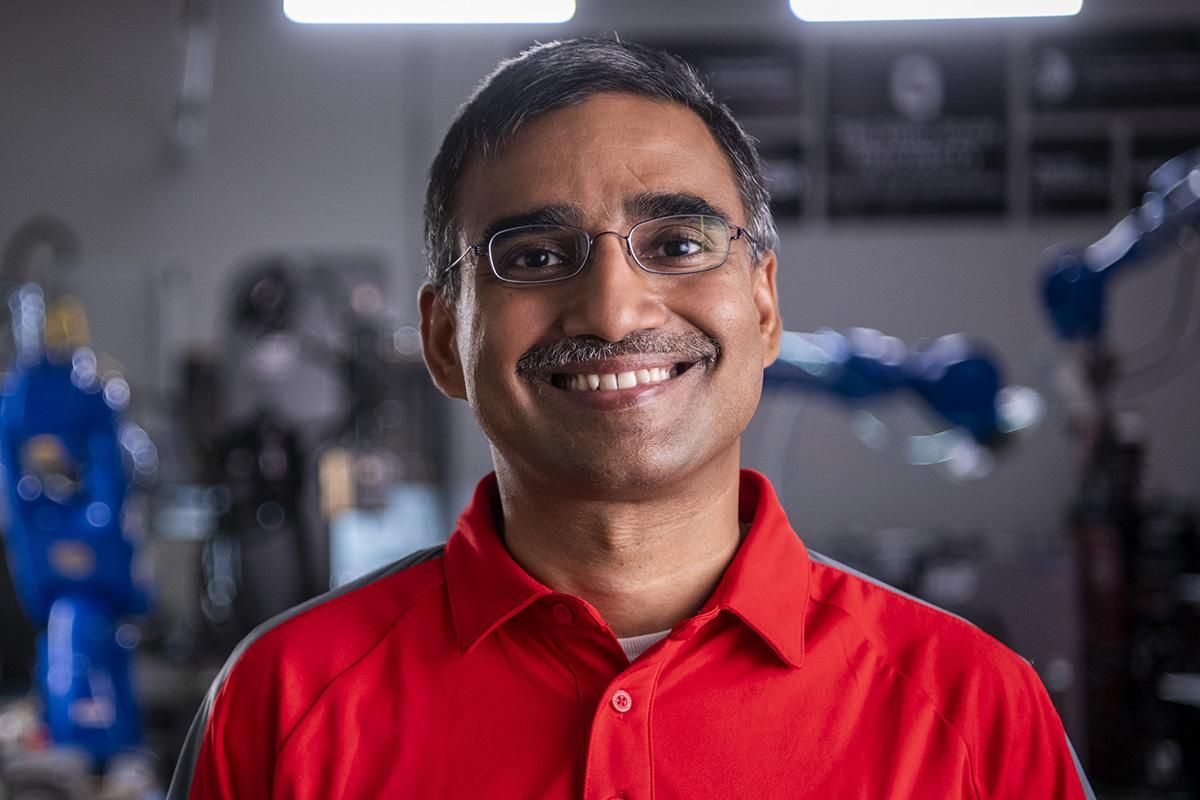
(485, 248)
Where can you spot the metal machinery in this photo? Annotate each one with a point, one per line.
(319, 430)
(1138, 555)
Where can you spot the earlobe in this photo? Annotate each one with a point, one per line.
(439, 342)
(766, 299)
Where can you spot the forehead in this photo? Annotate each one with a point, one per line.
(597, 156)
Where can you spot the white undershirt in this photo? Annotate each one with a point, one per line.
(634, 646)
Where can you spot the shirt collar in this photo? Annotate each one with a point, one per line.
(486, 586)
(765, 586)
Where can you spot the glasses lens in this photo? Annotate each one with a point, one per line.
(691, 243)
(537, 253)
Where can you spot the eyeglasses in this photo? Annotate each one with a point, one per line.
(682, 244)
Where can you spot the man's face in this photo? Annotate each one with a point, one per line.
(605, 165)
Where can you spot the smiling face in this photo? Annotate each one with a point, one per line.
(616, 380)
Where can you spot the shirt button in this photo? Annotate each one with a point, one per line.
(563, 615)
(621, 701)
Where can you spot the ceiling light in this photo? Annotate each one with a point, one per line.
(417, 12)
(867, 10)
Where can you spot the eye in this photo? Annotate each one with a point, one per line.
(533, 258)
(680, 247)
(536, 253)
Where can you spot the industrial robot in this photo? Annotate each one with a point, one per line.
(73, 565)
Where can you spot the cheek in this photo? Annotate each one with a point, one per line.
(728, 314)
(475, 338)
(496, 336)
(732, 319)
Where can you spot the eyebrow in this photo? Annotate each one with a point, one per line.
(647, 205)
(546, 215)
(665, 204)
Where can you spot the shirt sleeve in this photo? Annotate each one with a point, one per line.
(230, 750)
(1026, 753)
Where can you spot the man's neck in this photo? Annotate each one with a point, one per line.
(645, 565)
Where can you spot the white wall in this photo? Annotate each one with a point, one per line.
(319, 138)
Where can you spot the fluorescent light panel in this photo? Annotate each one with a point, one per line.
(869, 10)
(418, 12)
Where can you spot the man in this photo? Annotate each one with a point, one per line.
(620, 612)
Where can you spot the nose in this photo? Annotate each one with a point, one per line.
(613, 297)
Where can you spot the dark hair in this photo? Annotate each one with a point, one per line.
(558, 74)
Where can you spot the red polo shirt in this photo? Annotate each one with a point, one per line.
(457, 675)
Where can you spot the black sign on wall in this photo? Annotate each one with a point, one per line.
(917, 128)
(1070, 176)
(1114, 72)
(753, 78)
(921, 127)
(786, 175)
(763, 84)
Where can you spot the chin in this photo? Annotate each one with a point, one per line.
(629, 476)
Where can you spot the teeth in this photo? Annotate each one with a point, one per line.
(619, 380)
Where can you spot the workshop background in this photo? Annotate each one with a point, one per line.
(215, 213)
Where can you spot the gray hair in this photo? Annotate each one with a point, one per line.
(557, 74)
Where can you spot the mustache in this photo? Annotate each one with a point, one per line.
(541, 360)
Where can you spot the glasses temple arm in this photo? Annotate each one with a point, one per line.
(738, 233)
(475, 248)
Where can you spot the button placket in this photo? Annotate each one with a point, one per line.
(618, 756)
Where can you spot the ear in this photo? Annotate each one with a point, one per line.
(766, 300)
(439, 342)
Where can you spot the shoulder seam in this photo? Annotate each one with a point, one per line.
(333, 679)
(838, 566)
(278, 621)
(189, 756)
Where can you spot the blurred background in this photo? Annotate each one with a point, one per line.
(214, 405)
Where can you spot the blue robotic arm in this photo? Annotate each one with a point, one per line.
(954, 376)
(1074, 282)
